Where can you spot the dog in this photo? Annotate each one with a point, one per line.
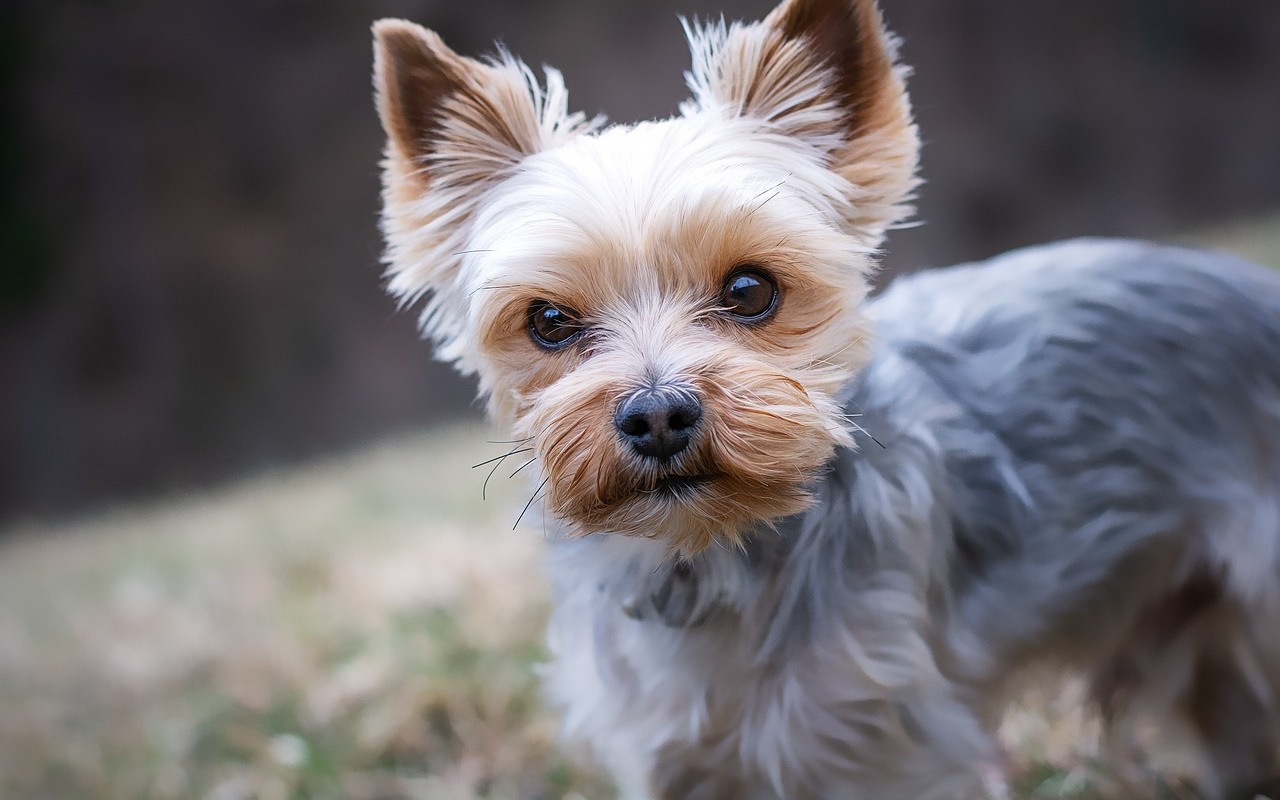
(806, 543)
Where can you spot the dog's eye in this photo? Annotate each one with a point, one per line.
(749, 294)
(552, 327)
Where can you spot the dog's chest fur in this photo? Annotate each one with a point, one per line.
(1035, 431)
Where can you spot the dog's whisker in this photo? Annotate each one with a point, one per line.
(766, 200)
(484, 487)
(775, 189)
(489, 286)
(522, 466)
(536, 493)
(864, 431)
(497, 462)
(829, 360)
(506, 455)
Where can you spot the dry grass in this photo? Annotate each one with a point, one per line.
(363, 628)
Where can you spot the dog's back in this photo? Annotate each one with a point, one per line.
(1110, 415)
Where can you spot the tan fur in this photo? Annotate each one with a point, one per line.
(811, 57)
(455, 128)
(462, 133)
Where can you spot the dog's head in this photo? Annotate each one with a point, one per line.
(665, 310)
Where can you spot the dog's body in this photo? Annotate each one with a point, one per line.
(791, 562)
(1080, 463)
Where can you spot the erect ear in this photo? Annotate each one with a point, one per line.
(455, 128)
(447, 113)
(823, 71)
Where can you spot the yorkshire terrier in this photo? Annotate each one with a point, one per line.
(806, 543)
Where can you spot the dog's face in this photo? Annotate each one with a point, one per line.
(664, 311)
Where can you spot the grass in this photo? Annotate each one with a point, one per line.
(366, 627)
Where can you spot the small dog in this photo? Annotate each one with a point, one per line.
(806, 543)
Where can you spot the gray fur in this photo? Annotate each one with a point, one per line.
(1065, 438)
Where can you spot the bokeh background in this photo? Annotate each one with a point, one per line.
(241, 554)
(189, 277)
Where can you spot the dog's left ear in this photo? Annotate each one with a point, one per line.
(823, 71)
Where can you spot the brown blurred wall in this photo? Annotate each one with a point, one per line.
(189, 278)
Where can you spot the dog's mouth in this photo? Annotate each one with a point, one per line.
(677, 485)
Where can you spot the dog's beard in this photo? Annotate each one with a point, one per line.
(761, 439)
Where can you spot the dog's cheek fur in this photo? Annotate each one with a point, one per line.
(763, 435)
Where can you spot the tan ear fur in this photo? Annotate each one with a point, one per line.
(824, 71)
(456, 127)
(414, 73)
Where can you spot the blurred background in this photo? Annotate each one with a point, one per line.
(189, 277)
(241, 554)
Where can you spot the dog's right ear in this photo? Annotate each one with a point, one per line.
(456, 127)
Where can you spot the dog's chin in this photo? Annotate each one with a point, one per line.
(677, 486)
(687, 511)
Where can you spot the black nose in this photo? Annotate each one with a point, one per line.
(658, 422)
